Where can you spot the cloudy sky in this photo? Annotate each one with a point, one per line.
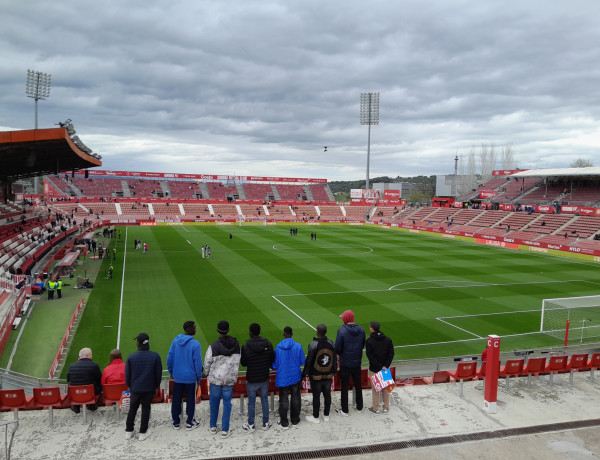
(261, 86)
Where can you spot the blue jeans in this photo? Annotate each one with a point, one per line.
(264, 400)
(216, 393)
(190, 396)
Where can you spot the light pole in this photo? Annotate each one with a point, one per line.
(37, 87)
(369, 115)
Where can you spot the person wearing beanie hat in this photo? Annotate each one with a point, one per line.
(184, 363)
(349, 345)
(143, 373)
(221, 365)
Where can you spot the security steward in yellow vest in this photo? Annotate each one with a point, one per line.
(51, 288)
(59, 285)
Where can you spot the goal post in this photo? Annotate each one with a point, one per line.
(572, 319)
(242, 221)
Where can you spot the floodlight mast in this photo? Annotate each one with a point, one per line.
(369, 115)
(37, 87)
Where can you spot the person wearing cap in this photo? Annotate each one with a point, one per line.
(289, 358)
(143, 373)
(349, 344)
(380, 351)
(85, 372)
(115, 372)
(221, 364)
(184, 362)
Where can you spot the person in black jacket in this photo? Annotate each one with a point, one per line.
(85, 372)
(380, 352)
(320, 367)
(257, 356)
(143, 372)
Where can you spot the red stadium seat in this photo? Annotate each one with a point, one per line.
(111, 394)
(466, 370)
(593, 364)
(49, 398)
(556, 364)
(437, 377)
(512, 368)
(535, 367)
(159, 396)
(15, 400)
(578, 362)
(82, 395)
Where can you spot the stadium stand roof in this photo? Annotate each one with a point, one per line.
(592, 171)
(36, 152)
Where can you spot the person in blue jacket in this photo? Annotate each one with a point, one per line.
(349, 345)
(289, 357)
(184, 362)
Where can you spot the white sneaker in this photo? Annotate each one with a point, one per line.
(214, 430)
(225, 434)
(144, 436)
(326, 418)
(128, 435)
(311, 419)
(267, 425)
(342, 413)
(246, 426)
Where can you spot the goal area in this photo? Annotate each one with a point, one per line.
(241, 221)
(572, 319)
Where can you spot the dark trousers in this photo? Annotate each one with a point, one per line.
(345, 374)
(59, 293)
(190, 396)
(317, 387)
(284, 404)
(145, 399)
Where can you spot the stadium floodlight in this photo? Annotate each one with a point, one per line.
(369, 115)
(37, 87)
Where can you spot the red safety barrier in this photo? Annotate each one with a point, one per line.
(64, 341)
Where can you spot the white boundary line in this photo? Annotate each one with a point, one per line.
(122, 292)
(459, 328)
(294, 313)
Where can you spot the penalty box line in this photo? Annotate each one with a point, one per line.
(293, 313)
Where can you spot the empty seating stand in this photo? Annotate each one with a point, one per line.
(49, 398)
(534, 367)
(512, 368)
(466, 370)
(578, 362)
(556, 364)
(13, 400)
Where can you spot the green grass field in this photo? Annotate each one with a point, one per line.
(432, 296)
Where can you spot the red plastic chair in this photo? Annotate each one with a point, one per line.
(556, 364)
(465, 370)
(82, 395)
(49, 398)
(159, 396)
(15, 400)
(437, 377)
(593, 364)
(512, 368)
(578, 362)
(111, 394)
(534, 367)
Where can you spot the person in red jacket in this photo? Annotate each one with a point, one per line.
(115, 371)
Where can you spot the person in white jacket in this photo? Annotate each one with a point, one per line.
(221, 365)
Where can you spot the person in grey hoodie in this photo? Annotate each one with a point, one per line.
(349, 345)
(184, 362)
(221, 365)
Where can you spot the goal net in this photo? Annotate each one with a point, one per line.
(241, 221)
(582, 314)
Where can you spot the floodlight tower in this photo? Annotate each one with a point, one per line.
(37, 87)
(369, 115)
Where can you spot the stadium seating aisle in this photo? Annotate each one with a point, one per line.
(422, 412)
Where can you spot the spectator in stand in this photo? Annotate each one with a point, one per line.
(85, 372)
(143, 373)
(257, 357)
(320, 367)
(289, 357)
(221, 364)
(184, 362)
(349, 344)
(380, 352)
(115, 371)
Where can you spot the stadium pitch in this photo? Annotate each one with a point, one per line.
(432, 296)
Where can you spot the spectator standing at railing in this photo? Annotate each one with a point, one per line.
(85, 372)
(184, 362)
(221, 364)
(143, 373)
(257, 357)
(320, 367)
(115, 372)
(349, 344)
(289, 359)
(380, 352)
